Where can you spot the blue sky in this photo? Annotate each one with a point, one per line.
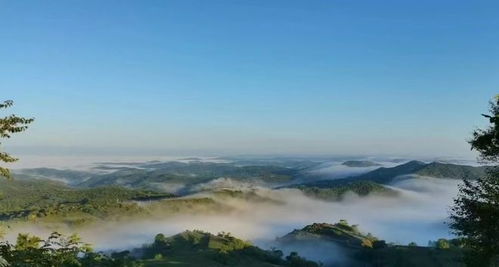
(245, 77)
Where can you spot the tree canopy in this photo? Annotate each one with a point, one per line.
(475, 215)
(9, 125)
(486, 141)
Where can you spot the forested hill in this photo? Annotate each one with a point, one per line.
(183, 178)
(386, 175)
(360, 250)
(40, 199)
(375, 181)
(195, 248)
(434, 169)
(360, 163)
(165, 176)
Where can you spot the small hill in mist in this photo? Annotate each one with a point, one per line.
(447, 170)
(344, 245)
(335, 190)
(340, 233)
(195, 248)
(360, 163)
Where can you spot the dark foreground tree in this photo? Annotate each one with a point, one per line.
(475, 214)
(58, 251)
(10, 125)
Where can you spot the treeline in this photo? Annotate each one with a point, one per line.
(188, 248)
(38, 199)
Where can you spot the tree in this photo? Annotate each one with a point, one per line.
(442, 243)
(10, 125)
(59, 250)
(475, 214)
(486, 142)
(56, 250)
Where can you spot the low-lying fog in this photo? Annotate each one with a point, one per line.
(337, 170)
(417, 214)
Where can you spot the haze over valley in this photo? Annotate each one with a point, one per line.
(254, 198)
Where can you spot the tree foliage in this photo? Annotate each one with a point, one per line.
(58, 250)
(486, 141)
(9, 125)
(475, 214)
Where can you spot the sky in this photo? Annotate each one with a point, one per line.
(249, 77)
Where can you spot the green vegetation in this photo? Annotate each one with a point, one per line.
(10, 125)
(340, 233)
(335, 191)
(188, 178)
(58, 251)
(51, 201)
(246, 195)
(366, 250)
(443, 170)
(190, 248)
(70, 177)
(197, 205)
(360, 163)
(475, 215)
(165, 176)
(375, 181)
(45, 201)
(434, 169)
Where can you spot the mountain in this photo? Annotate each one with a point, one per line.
(71, 177)
(359, 249)
(340, 233)
(375, 181)
(183, 178)
(434, 169)
(446, 170)
(360, 163)
(386, 175)
(334, 190)
(173, 176)
(42, 199)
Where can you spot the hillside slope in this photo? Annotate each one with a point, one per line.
(374, 180)
(354, 248)
(195, 248)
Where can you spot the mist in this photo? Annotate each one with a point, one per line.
(417, 214)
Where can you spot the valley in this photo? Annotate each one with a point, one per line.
(118, 207)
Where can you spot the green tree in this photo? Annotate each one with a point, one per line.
(56, 250)
(442, 244)
(486, 141)
(475, 214)
(10, 125)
